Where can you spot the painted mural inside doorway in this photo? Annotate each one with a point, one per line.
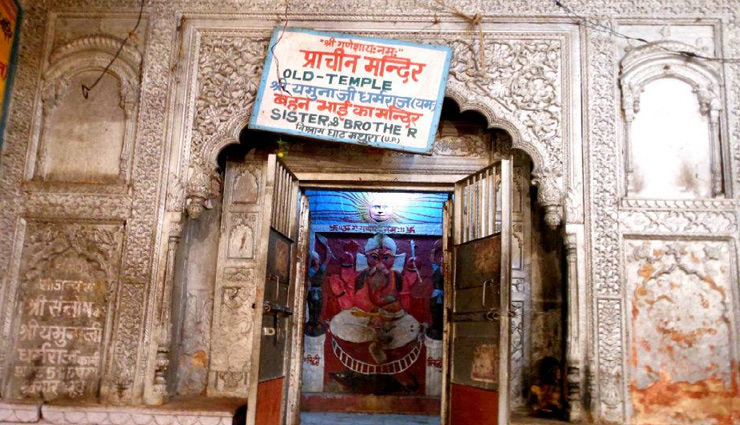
(374, 294)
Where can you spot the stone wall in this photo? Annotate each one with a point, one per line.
(183, 87)
(195, 279)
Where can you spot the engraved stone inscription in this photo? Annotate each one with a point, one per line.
(59, 347)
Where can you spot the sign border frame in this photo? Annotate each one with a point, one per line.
(268, 64)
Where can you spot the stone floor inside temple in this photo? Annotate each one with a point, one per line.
(366, 419)
(378, 419)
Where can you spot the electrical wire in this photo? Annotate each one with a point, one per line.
(85, 89)
(604, 28)
(281, 81)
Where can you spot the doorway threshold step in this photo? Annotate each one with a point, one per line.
(366, 419)
(531, 420)
(354, 403)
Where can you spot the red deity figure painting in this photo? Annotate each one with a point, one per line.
(342, 284)
(376, 309)
(375, 293)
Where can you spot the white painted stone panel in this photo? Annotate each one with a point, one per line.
(670, 142)
(313, 363)
(433, 367)
(86, 136)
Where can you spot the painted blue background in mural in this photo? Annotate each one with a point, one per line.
(376, 212)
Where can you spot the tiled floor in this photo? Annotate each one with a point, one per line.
(365, 419)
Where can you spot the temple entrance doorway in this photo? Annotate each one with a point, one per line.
(379, 334)
(373, 334)
(327, 341)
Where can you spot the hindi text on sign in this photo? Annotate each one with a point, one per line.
(331, 86)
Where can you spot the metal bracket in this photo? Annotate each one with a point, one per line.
(493, 315)
(484, 297)
(269, 307)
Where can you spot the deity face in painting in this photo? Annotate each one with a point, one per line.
(380, 250)
(411, 264)
(347, 259)
(379, 210)
(383, 256)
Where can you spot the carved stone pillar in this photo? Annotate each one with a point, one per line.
(53, 91)
(717, 189)
(630, 105)
(129, 102)
(163, 323)
(573, 355)
(711, 107)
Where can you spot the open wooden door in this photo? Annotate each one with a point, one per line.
(479, 316)
(273, 327)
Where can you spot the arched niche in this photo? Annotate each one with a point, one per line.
(74, 125)
(672, 105)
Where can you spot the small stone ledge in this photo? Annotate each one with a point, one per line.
(19, 412)
(184, 412)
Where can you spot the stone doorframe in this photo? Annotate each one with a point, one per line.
(529, 86)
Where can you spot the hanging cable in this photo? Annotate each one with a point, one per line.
(85, 89)
(606, 29)
(280, 80)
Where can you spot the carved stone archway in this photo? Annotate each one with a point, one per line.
(520, 90)
(524, 88)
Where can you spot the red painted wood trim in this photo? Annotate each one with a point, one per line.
(473, 406)
(269, 401)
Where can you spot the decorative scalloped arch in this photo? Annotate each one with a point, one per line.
(229, 134)
(653, 61)
(647, 63)
(550, 193)
(95, 52)
(92, 53)
(497, 121)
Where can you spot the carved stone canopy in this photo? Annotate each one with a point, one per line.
(647, 63)
(88, 53)
(94, 53)
(672, 59)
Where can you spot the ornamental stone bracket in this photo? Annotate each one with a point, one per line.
(521, 90)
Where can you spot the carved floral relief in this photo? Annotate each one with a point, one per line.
(521, 87)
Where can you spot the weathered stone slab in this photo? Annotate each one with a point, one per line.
(59, 349)
(68, 282)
